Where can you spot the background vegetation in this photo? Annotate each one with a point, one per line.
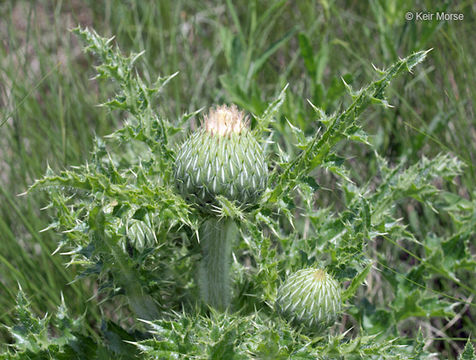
(243, 53)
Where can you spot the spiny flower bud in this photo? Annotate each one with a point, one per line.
(311, 298)
(221, 158)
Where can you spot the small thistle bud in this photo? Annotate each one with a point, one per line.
(221, 158)
(311, 298)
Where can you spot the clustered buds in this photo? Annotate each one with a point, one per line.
(311, 298)
(222, 158)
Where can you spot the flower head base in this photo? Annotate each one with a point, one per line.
(222, 158)
(311, 298)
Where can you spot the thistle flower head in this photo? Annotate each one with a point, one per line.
(225, 120)
(222, 158)
(311, 298)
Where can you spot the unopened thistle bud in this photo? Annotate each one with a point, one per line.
(221, 158)
(311, 298)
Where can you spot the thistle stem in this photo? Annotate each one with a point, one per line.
(216, 239)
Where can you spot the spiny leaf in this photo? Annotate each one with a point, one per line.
(356, 282)
(134, 96)
(468, 352)
(267, 117)
(339, 126)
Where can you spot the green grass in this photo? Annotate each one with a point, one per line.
(226, 53)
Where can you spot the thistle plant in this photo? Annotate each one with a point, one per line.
(148, 209)
(222, 158)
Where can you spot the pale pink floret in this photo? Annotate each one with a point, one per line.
(225, 120)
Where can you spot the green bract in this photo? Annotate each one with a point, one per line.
(222, 158)
(310, 297)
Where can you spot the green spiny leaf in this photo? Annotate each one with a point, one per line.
(468, 352)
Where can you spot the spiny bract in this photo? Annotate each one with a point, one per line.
(310, 297)
(223, 158)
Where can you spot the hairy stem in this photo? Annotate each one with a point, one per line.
(216, 239)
